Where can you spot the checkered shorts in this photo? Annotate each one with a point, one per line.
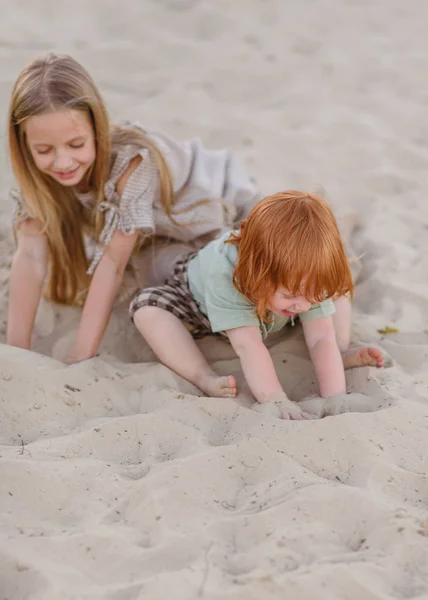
(174, 296)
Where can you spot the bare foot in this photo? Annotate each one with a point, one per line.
(217, 386)
(366, 356)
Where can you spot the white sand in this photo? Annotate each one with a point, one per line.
(117, 481)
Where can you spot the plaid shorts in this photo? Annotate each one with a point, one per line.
(174, 296)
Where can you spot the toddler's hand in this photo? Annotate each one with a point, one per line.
(281, 407)
(290, 410)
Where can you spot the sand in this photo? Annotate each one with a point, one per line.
(118, 480)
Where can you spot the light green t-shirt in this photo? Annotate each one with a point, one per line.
(210, 282)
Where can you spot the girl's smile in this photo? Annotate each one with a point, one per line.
(67, 175)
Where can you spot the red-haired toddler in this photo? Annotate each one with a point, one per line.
(286, 260)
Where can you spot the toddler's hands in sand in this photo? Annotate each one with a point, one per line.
(281, 407)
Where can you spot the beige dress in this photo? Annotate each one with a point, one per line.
(197, 174)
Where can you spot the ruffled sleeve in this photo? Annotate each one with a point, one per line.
(132, 210)
(20, 213)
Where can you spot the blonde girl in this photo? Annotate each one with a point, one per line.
(90, 192)
(286, 261)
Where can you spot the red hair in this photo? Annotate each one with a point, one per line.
(290, 240)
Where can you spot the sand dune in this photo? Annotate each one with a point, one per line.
(118, 480)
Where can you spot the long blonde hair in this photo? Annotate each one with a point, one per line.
(46, 85)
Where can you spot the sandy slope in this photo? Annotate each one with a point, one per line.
(118, 481)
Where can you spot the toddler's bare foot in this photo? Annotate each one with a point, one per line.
(366, 356)
(217, 386)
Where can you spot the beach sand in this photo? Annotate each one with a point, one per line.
(119, 481)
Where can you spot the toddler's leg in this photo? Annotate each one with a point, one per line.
(362, 356)
(174, 346)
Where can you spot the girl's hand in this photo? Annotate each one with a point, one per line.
(70, 361)
(73, 358)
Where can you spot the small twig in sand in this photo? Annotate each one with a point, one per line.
(206, 571)
(22, 447)
(71, 388)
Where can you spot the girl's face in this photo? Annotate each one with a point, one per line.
(62, 144)
(285, 304)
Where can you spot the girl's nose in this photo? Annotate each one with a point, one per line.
(62, 162)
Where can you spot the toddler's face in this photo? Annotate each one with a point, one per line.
(62, 144)
(285, 304)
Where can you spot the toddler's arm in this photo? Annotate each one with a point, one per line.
(259, 370)
(325, 355)
(28, 273)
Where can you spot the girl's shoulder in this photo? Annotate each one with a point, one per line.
(131, 139)
(131, 136)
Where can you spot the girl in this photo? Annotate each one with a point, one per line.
(82, 179)
(286, 260)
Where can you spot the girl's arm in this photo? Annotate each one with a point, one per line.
(104, 287)
(259, 370)
(102, 294)
(29, 270)
(325, 355)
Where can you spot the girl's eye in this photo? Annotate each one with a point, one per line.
(76, 146)
(43, 151)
